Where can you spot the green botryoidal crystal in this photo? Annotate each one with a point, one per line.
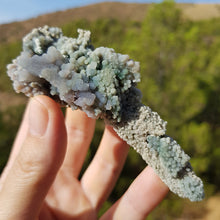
(69, 69)
(102, 83)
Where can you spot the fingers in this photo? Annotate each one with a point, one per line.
(80, 130)
(37, 162)
(100, 177)
(66, 191)
(144, 194)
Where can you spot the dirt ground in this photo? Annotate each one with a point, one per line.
(213, 208)
(201, 11)
(8, 99)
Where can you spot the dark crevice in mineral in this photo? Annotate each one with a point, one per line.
(181, 173)
(99, 66)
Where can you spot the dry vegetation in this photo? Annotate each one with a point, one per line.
(121, 11)
(201, 11)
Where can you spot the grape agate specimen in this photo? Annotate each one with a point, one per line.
(102, 83)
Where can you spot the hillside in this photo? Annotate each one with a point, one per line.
(180, 76)
(121, 11)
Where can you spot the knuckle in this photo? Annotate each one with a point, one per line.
(29, 167)
(76, 133)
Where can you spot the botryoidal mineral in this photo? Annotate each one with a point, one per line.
(102, 83)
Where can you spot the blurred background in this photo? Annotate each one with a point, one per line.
(177, 45)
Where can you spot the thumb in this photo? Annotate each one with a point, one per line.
(34, 169)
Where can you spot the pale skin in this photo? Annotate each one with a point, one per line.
(41, 180)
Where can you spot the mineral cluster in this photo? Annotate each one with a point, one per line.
(102, 83)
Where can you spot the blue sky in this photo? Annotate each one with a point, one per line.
(15, 10)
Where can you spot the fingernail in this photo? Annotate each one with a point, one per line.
(38, 117)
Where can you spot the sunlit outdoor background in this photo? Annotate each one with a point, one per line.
(178, 46)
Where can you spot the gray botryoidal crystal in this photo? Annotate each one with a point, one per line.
(102, 83)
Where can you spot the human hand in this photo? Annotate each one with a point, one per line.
(41, 181)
